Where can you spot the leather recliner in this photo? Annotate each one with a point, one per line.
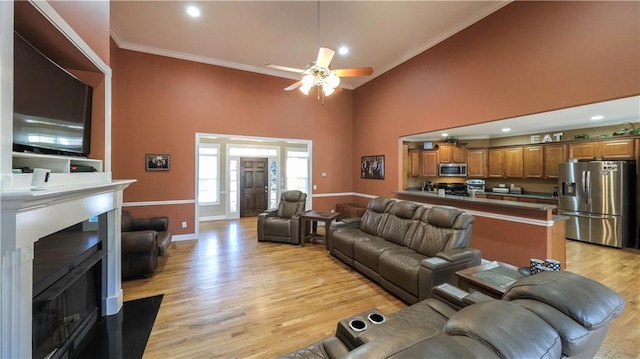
(143, 240)
(282, 225)
(555, 314)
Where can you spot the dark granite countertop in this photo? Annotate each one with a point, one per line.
(497, 202)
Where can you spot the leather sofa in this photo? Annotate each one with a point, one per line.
(143, 240)
(406, 247)
(555, 314)
(282, 225)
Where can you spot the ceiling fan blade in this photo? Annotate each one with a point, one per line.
(294, 86)
(324, 57)
(356, 71)
(285, 68)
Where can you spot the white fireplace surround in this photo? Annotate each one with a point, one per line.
(27, 216)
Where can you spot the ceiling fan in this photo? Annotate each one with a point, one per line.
(319, 74)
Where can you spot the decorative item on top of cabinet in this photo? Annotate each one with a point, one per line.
(429, 160)
(496, 162)
(514, 166)
(477, 162)
(414, 162)
(452, 153)
(602, 150)
(553, 156)
(533, 162)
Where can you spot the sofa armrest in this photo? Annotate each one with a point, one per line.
(453, 296)
(460, 254)
(346, 223)
(159, 224)
(269, 213)
(443, 268)
(138, 242)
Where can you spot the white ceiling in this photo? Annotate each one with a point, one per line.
(247, 35)
(615, 112)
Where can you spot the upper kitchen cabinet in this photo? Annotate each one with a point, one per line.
(496, 162)
(533, 161)
(429, 163)
(414, 163)
(553, 156)
(450, 153)
(477, 162)
(602, 150)
(514, 166)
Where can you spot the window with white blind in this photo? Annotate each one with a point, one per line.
(297, 176)
(209, 174)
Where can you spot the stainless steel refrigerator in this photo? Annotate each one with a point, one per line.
(599, 199)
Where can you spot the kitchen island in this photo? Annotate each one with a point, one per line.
(506, 231)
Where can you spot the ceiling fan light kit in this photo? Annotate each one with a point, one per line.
(319, 74)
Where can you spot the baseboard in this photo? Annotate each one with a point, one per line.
(183, 237)
(212, 218)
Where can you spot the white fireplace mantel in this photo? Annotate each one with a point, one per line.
(27, 216)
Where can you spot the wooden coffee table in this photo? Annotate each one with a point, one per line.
(311, 232)
(492, 278)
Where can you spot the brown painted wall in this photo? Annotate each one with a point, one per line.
(90, 19)
(526, 58)
(160, 103)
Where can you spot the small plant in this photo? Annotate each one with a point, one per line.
(583, 136)
(627, 131)
(451, 139)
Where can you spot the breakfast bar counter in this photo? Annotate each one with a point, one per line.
(506, 231)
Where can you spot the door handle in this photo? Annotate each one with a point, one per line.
(588, 188)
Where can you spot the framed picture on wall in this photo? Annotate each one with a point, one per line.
(158, 162)
(372, 167)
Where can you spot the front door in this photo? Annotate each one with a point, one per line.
(253, 186)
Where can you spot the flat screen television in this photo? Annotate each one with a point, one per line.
(51, 107)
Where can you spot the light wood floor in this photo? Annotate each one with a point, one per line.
(228, 296)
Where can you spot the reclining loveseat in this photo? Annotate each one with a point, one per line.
(555, 314)
(406, 247)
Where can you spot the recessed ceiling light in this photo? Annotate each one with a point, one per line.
(445, 134)
(193, 11)
(506, 129)
(599, 117)
(343, 50)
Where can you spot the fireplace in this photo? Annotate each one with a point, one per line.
(46, 307)
(67, 290)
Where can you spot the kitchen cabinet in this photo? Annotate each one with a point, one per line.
(429, 160)
(602, 150)
(553, 156)
(452, 153)
(617, 149)
(526, 199)
(548, 201)
(533, 162)
(514, 166)
(496, 162)
(414, 162)
(477, 162)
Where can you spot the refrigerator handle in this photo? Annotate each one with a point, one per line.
(588, 190)
(584, 186)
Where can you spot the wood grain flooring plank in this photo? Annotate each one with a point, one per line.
(228, 296)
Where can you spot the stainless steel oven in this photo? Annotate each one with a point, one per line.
(452, 170)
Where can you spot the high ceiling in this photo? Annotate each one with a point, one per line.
(614, 112)
(247, 35)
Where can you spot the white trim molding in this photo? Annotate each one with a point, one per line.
(213, 218)
(183, 237)
(159, 203)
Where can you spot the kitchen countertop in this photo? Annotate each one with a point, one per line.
(537, 195)
(496, 202)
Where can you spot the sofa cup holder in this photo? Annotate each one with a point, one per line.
(357, 325)
(376, 318)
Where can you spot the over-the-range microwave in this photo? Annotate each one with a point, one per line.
(452, 170)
